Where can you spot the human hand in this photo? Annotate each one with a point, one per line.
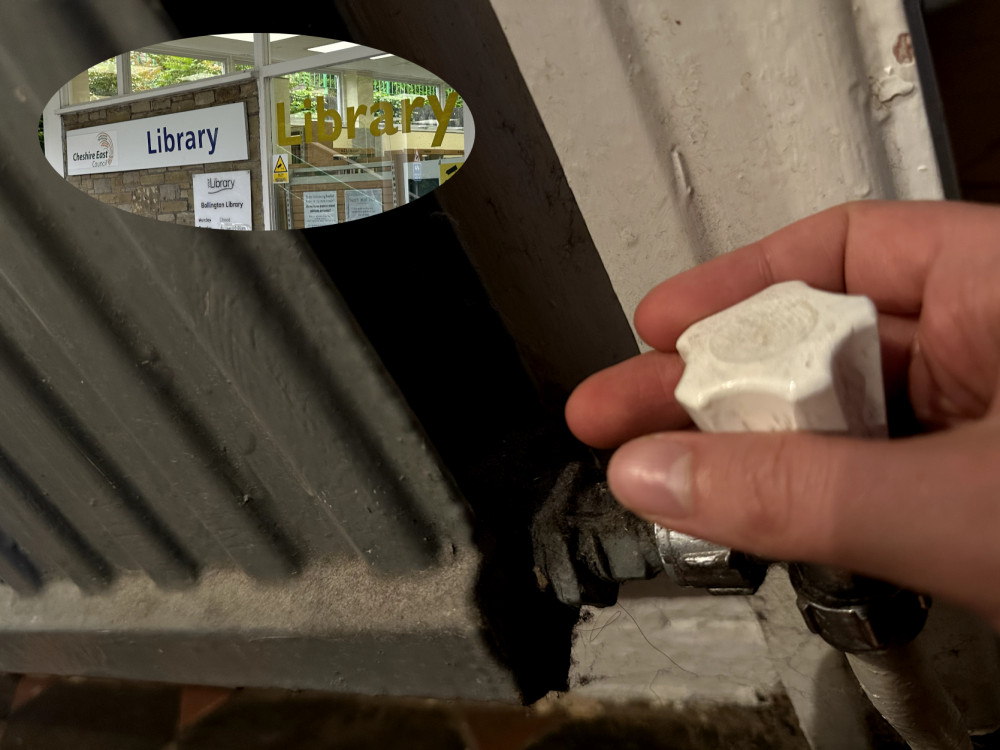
(922, 512)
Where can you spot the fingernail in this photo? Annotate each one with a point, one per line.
(652, 477)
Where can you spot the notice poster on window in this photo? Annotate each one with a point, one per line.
(222, 200)
(360, 204)
(320, 207)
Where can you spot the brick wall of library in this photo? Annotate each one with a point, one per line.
(165, 193)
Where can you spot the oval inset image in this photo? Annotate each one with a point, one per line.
(256, 131)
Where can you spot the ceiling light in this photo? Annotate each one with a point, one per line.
(333, 47)
(249, 37)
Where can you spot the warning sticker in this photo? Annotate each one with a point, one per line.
(449, 169)
(279, 172)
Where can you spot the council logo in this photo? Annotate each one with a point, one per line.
(107, 142)
(91, 151)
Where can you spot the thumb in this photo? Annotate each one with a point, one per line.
(923, 513)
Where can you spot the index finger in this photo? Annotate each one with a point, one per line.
(880, 249)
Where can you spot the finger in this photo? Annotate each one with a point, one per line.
(896, 336)
(631, 398)
(879, 249)
(881, 508)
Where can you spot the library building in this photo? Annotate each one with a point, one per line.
(256, 131)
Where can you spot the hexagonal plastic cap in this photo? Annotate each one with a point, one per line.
(788, 358)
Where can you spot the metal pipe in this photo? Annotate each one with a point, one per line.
(877, 626)
(902, 686)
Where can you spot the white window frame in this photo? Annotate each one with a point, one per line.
(261, 59)
(125, 94)
(177, 88)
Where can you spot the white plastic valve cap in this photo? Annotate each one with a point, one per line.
(788, 358)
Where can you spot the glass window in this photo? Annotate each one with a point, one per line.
(151, 70)
(97, 82)
(458, 114)
(357, 142)
(305, 88)
(396, 92)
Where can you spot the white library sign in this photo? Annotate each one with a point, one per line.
(198, 136)
(222, 200)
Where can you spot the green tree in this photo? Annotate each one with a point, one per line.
(102, 79)
(307, 85)
(152, 71)
(395, 92)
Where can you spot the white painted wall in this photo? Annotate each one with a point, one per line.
(687, 128)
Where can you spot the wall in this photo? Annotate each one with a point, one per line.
(709, 125)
